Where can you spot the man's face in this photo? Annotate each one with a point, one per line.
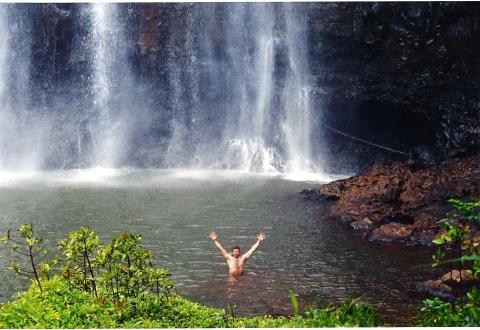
(236, 253)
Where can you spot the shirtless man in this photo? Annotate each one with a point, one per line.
(236, 261)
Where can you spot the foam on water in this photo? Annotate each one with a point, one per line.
(103, 176)
(215, 175)
(15, 177)
(91, 175)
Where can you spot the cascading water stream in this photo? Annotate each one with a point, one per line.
(110, 79)
(247, 148)
(296, 96)
(256, 89)
(184, 100)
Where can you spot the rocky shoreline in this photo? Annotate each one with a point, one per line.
(401, 201)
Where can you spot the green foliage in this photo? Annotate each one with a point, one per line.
(469, 210)
(352, 313)
(33, 249)
(437, 313)
(129, 270)
(293, 298)
(123, 268)
(456, 241)
(60, 306)
(80, 265)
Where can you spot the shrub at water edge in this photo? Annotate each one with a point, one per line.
(458, 247)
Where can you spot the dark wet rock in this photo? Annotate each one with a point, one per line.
(436, 288)
(423, 237)
(314, 194)
(362, 225)
(450, 285)
(403, 201)
(420, 58)
(391, 232)
(426, 156)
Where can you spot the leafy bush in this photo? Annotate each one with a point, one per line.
(60, 306)
(437, 313)
(80, 263)
(122, 267)
(128, 269)
(459, 242)
(33, 249)
(352, 313)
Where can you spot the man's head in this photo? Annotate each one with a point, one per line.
(236, 251)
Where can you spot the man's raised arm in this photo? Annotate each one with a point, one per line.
(213, 237)
(260, 238)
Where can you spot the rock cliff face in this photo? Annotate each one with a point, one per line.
(416, 64)
(405, 75)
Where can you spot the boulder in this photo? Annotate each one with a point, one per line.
(436, 288)
(391, 232)
(449, 286)
(362, 225)
(453, 278)
(313, 194)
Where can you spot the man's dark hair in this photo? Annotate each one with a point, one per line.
(236, 247)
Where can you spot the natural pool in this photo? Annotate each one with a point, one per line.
(175, 211)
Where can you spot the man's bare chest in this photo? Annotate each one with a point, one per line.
(236, 262)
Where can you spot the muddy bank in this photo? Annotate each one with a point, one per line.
(401, 201)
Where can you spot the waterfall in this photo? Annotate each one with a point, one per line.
(296, 95)
(221, 86)
(184, 99)
(252, 61)
(111, 78)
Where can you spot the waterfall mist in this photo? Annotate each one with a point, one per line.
(21, 127)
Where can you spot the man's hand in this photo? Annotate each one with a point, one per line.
(260, 237)
(213, 236)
